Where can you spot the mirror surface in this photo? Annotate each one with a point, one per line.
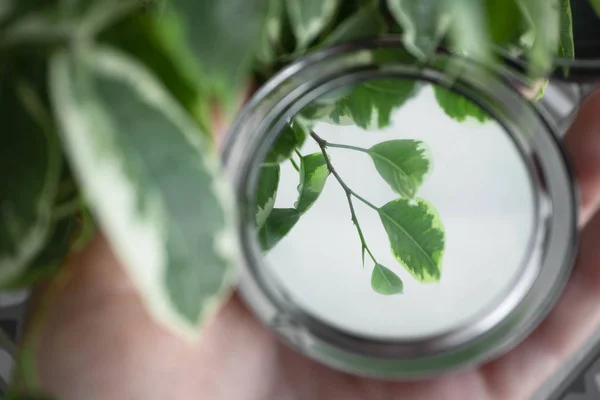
(435, 189)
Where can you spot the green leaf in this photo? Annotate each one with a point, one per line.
(365, 23)
(142, 37)
(384, 281)
(266, 192)
(313, 176)
(271, 32)
(308, 18)
(29, 175)
(416, 237)
(370, 104)
(596, 5)
(424, 22)
(279, 223)
(290, 138)
(543, 19)
(215, 38)
(458, 107)
(152, 181)
(504, 19)
(566, 47)
(469, 29)
(403, 164)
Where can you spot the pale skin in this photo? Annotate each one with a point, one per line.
(100, 343)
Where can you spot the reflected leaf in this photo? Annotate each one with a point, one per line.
(458, 107)
(416, 237)
(370, 104)
(386, 282)
(424, 23)
(403, 164)
(290, 138)
(313, 176)
(308, 18)
(266, 192)
(277, 225)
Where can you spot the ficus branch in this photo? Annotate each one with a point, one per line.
(349, 194)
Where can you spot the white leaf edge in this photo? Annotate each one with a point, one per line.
(138, 240)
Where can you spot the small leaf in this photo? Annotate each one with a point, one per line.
(266, 192)
(370, 104)
(291, 138)
(566, 47)
(309, 17)
(152, 181)
(403, 164)
(365, 23)
(543, 19)
(384, 281)
(216, 39)
(313, 176)
(279, 223)
(416, 237)
(425, 22)
(29, 173)
(458, 107)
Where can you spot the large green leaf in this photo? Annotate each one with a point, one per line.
(308, 18)
(458, 107)
(313, 176)
(365, 23)
(566, 47)
(543, 19)
(386, 282)
(279, 223)
(266, 192)
(416, 237)
(424, 22)
(370, 104)
(216, 38)
(152, 180)
(29, 175)
(403, 164)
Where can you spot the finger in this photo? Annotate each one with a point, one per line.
(521, 371)
(583, 145)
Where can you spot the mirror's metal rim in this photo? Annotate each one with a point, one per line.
(362, 355)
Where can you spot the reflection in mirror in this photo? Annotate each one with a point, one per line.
(394, 209)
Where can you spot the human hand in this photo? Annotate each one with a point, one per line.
(99, 343)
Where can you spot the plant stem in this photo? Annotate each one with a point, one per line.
(323, 145)
(349, 193)
(295, 165)
(345, 146)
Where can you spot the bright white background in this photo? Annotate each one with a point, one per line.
(479, 186)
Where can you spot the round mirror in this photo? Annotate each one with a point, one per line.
(399, 219)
